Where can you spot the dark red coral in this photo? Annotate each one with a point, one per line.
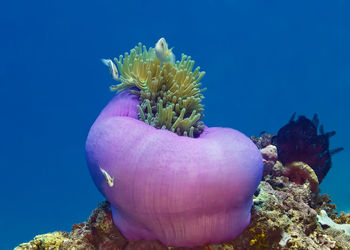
(299, 141)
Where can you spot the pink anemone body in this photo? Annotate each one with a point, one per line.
(179, 190)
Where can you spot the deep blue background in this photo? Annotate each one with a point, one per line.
(264, 60)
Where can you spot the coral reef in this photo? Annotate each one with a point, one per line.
(97, 233)
(300, 173)
(283, 218)
(269, 154)
(297, 145)
(46, 241)
(325, 220)
(264, 140)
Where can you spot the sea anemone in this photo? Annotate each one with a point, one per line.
(167, 176)
(169, 93)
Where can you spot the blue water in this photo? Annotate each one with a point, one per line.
(264, 60)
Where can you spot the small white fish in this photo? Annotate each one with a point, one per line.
(163, 53)
(109, 179)
(112, 68)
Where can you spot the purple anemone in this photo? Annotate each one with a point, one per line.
(179, 190)
(167, 176)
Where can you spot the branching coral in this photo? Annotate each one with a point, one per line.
(169, 93)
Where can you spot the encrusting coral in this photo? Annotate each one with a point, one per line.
(49, 241)
(299, 172)
(169, 92)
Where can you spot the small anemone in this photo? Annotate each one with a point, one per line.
(169, 93)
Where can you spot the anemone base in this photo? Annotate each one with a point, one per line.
(185, 231)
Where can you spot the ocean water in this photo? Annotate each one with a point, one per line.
(264, 60)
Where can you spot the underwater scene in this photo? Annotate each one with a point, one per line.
(175, 125)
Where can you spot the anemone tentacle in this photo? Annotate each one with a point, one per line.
(169, 92)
